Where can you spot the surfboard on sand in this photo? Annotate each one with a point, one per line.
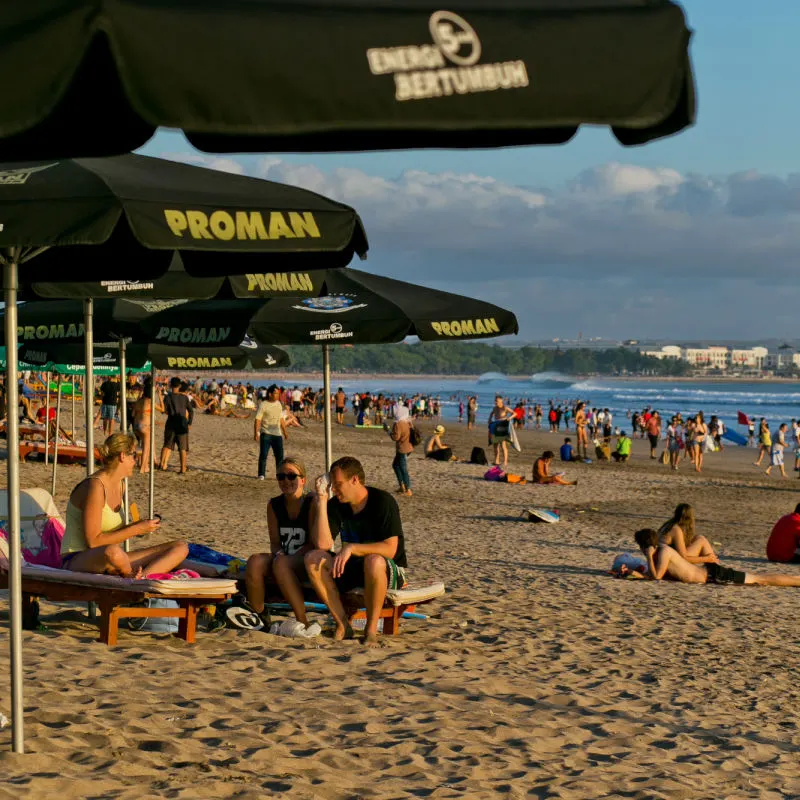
(735, 437)
(542, 515)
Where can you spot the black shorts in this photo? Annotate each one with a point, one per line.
(173, 440)
(353, 575)
(340, 409)
(720, 574)
(653, 437)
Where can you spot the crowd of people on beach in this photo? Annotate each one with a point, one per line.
(302, 526)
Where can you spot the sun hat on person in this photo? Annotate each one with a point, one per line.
(439, 429)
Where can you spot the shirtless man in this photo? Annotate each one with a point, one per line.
(341, 402)
(665, 562)
(580, 427)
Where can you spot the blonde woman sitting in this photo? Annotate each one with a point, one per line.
(436, 449)
(678, 532)
(96, 526)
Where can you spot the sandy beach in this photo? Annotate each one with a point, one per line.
(537, 675)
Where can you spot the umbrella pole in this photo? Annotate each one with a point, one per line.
(152, 473)
(123, 421)
(55, 440)
(326, 390)
(10, 279)
(73, 406)
(46, 418)
(88, 389)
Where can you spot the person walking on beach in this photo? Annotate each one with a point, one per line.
(110, 394)
(764, 441)
(500, 420)
(653, 428)
(401, 436)
(674, 442)
(373, 553)
(700, 436)
(142, 411)
(270, 430)
(176, 429)
(472, 412)
(580, 428)
(776, 453)
(341, 404)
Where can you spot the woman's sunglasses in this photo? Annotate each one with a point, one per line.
(287, 476)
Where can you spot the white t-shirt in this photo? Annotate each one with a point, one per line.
(269, 414)
(297, 396)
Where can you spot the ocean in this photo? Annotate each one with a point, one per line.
(778, 402)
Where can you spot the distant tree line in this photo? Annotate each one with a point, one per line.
(451, 358)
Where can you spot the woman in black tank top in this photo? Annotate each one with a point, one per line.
(290, 517)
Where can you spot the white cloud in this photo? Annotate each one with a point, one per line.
(614, 231)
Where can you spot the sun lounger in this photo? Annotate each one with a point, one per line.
(398, 601)
(67, 453)
(115, 597)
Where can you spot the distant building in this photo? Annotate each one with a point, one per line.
(670, 351)
(706, 357)
(748, 359)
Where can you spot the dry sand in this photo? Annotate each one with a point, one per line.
(538, 675)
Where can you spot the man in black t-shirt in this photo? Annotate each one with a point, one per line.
(373, 551)
(180, 414)
(109, 394)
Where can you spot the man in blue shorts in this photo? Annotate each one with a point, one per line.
(109, 395)
(373, 548)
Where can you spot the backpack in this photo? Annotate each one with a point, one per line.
(478, 456)
(414, 436)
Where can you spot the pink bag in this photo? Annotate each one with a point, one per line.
(494, 473)
(47, 551)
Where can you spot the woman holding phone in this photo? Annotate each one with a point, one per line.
(96, 526)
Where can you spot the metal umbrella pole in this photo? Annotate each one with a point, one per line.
(46, 418)
(326, 389)
(73, 408)
(88, 389)
(123, 420)
(152, 474)
(55, 443)
(10, 281)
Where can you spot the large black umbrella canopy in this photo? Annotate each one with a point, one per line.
(49, 322)
(259, 357)
(360, 308)
(88, 78)
(144, 211)
(354, 307)
(177, 283)
(136, 355)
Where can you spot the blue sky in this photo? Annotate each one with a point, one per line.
(627, 228)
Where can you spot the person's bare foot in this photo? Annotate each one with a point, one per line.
(343, 632)
(408, 493)
(370, 640)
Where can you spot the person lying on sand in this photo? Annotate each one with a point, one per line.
(541, 471)
(678, 532)
(664, 561)
(373, 551)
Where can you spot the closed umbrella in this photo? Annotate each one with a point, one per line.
(127, 218)
(88, 78)
(355, 308)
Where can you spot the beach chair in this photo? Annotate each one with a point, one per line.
(398, 601)
(115, 596)
(67, 453)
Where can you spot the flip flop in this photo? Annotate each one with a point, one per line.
(244, 618)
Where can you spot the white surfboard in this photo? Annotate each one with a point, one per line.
(542, 515)
(514, 438)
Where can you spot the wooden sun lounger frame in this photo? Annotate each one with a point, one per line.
(114, 605)
(66, 451)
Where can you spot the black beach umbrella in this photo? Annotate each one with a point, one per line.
(354, 308)
(84, 78)
(126, 218)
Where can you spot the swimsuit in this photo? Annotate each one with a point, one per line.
(722, 575)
